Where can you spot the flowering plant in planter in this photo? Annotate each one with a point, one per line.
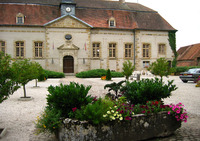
(72, 101)
(178, 111)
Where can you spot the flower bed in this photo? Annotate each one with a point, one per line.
(140, 127)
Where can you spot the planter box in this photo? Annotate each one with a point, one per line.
(141, 127)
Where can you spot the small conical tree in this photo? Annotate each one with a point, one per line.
(127, 69)
(108, 75)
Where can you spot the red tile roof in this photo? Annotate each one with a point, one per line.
(93, 12)
(188, 55)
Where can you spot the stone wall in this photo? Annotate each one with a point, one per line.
(141, 127)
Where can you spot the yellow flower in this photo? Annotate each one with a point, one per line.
(44, 126)
(108, 112)
(121, 118)
(104, 115)
(112, 111)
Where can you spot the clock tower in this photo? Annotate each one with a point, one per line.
(67, 7)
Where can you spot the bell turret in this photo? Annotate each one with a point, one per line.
(68, 7)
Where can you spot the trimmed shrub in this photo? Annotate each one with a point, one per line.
(147, 90)
(53, 74)
(97, 73)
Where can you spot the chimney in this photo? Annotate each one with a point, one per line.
(122, 1)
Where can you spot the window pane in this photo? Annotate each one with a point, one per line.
(19, 20)
(17, 51)
(40, 52)
(22, 52)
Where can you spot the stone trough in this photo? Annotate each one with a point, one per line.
(141, 127)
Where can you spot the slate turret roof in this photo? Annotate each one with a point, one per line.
(94, 12)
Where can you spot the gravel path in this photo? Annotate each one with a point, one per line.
(19, 116)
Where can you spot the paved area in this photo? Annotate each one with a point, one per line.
(19, 116)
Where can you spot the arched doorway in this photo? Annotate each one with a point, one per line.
(68, 64)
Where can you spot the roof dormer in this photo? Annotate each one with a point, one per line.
(112, 22)
(68, 7)
(20, 18)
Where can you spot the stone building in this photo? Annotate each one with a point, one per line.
(71, 36)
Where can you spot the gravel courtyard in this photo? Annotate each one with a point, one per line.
(19, 116)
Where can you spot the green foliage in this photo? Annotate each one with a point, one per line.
(25, 71)
(160, 67)
(147, 90)
(7, 85)
(108, 75)
(97, 73)
(53, 74)
(43, 76)
(65, 97)
(172, 43)
(116, 74)
(114, 87)
(49, 121)
(94, 112)
(128, 68)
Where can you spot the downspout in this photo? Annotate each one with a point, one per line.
(134, 46)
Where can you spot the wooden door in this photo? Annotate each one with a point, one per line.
(68, 64)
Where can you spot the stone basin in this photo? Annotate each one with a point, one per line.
(141, 127)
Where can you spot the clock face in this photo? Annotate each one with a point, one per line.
(68, 9)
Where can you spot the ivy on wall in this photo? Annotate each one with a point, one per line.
(172, 43)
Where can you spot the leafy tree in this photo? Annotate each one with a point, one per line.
(38, 71)
(127, 69)
(25, 71)
(160, 67)
(7, 85)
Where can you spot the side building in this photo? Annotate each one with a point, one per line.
(71, 36)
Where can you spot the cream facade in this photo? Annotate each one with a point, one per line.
(70, 45)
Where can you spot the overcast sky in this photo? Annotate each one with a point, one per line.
(183, 15)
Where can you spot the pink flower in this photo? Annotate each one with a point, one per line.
(169, 112)
(74, 109)
(178, 111)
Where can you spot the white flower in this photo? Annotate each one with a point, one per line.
(121, 118)
(112, 111)
(108, 112)
(104, 115)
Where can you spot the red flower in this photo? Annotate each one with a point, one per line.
(74, 109)
(128, 118)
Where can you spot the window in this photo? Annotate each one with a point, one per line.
(146, 50)
(146, 64)
(20, 18)
(2, 46)
(112, 50)
(112, 22)
(96, 50)
(128, 50)
(19, 49)
(38, 49)
(162, 49)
